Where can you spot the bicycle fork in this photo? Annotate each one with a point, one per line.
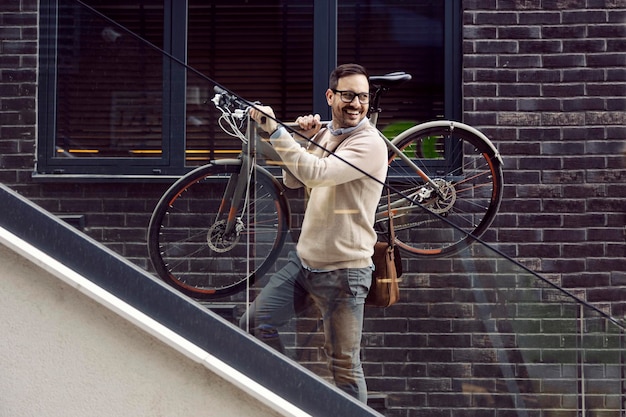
(235, 196)
(237, 190)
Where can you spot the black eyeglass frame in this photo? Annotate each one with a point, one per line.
(342, 93)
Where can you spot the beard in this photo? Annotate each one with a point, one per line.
(348, 116)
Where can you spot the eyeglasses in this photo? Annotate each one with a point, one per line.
(348, 96)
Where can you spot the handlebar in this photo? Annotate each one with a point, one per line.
(233, 104)
(229, 102)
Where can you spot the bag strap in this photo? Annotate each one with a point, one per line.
(391, 236)
(327, 152)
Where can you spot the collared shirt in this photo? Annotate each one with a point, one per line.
(345, 130)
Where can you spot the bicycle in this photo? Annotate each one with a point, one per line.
(222, 226)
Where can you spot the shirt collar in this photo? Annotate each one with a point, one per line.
(345, 130)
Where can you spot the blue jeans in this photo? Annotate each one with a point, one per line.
(340, 296)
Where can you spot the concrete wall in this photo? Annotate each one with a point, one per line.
(64, 354)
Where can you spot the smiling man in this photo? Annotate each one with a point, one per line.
(332, 265)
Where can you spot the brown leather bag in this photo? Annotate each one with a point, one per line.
(385, 290)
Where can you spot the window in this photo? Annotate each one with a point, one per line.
(117, 100)
(398, 35)
(259, 50)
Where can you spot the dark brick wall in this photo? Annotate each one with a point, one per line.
(546, 81)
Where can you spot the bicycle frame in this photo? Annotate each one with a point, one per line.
(266, 149)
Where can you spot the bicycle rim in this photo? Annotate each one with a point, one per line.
(469, 174)
(186, 239)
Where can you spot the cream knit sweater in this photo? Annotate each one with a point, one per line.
(337, 231)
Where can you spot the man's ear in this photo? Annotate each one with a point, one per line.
(329, 97)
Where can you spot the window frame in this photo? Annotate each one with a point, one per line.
(171, 163)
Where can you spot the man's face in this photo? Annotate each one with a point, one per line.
(348, 114)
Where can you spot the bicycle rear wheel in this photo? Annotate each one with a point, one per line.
(186, 240)
(468, 171)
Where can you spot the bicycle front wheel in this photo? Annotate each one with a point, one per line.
(188, 241)
(467, 170)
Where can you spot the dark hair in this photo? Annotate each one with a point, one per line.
(343, 71)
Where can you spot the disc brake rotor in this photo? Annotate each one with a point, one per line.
(218, 241)
(443, 202)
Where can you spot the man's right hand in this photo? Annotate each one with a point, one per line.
(264, 116)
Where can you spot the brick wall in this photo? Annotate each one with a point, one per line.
(545, 80)
(18, 83)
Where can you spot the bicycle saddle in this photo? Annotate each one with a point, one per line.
(390, 80)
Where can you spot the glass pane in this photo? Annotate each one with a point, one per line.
(109, 83)
(474, 332)
(258, 50)
(485, 336)
(398, 35)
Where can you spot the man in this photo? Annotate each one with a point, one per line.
(332, 265)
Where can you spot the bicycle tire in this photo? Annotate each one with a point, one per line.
(184, 241)
(469, 170)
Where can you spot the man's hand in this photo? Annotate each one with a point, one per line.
(309, 125)
(264, 116)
